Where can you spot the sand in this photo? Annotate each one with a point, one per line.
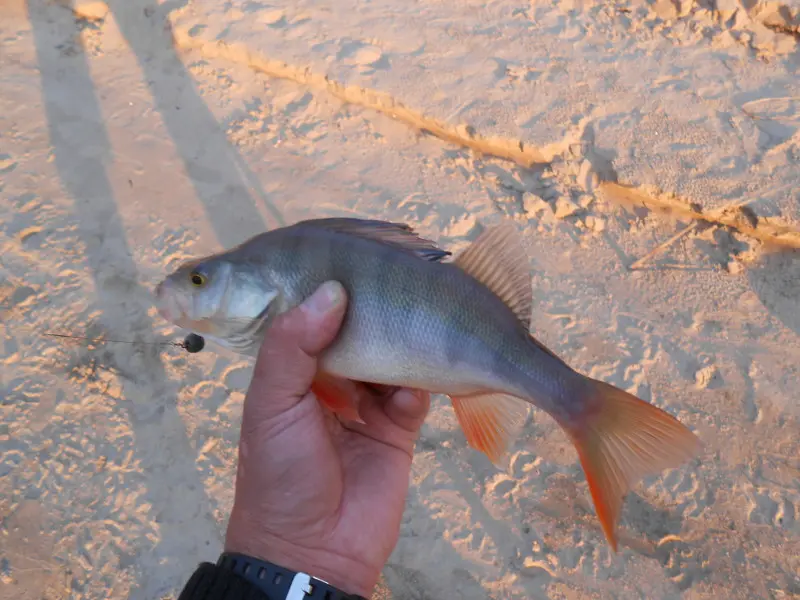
(134, 135)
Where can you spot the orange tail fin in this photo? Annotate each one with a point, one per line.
(623, 440)
(340, 395)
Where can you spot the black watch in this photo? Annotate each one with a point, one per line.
(272, 582)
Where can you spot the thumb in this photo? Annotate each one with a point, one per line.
(287, 360)
(408, 409)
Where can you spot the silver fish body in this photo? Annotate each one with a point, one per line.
(411, 321)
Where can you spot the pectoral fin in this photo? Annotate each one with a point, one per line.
(340, 395)
(245, 334)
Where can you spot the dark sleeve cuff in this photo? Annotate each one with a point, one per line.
(209, 582)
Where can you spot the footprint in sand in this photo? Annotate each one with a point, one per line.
(362, 55)
(7, 164)
(273, 18)
(770, 508)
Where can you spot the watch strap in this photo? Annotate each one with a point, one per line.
(209, 582)
(278, 583)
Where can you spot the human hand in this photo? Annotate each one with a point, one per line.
(312, 494)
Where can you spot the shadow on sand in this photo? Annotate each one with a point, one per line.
(80, 148)
(776, 281)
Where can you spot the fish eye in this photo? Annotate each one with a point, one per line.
(197, 279)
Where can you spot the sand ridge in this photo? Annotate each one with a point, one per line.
(513, 150)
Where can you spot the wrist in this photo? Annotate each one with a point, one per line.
(339, 570)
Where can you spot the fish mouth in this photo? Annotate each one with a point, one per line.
(167, 305)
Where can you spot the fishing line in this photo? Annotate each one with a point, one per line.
(191, 343)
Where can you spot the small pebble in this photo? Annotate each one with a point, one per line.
(735, 267)
(763, 37)
(684, 7)
(565, 208)
(704, 376)
(595, 223)
(90, 10)
(726, 8)
(533, 204)
(665, 9)
(740, 19)
(587, 178)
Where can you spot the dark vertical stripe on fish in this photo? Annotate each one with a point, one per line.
(400, 330)
(455, 321)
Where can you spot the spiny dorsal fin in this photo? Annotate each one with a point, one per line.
(399, 235)
(498, 260)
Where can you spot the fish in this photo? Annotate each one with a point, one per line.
(420, 318)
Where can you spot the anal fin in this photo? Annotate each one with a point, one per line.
(490, 422)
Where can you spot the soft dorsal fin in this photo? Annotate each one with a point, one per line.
(498, 260)
(399, 235)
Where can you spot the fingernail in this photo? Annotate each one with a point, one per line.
(327, 297)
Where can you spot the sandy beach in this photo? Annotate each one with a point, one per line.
(648, 151)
